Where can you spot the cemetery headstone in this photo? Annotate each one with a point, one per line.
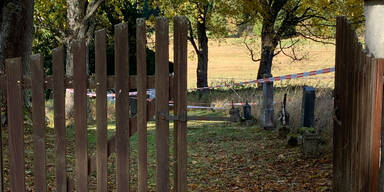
(267, 113)
(308, 106)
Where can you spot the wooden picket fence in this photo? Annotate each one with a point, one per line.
(358, 110)
(167, 88)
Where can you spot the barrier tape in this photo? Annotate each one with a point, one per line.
(202, 107)
(265, 80)
(270, 79)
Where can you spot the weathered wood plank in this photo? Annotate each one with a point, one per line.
(338, 133)
(59, 118)
(377, 89)
(122, 106)
(180, 50)
(80, 109)
(101, 110)
(15, 124)
(162, 98)
(142, 103)
(38, 117)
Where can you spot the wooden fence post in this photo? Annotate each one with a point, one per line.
(180, 58)
(80, 109)
(59, 118)
(38, 115)
(122, 106)
(15, 124)
(162, 108)
(101, 111)
(142, 103)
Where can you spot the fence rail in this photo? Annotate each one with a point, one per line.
(167, 88)
(358, 108)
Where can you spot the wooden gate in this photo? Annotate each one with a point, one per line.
(358, 108)
(167, 87)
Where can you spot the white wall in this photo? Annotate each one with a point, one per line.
(374, 26)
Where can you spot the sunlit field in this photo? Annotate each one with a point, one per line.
(229, 61)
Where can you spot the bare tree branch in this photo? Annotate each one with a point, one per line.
(91, 9)
(192, 39)
(293, 56)
(251, 53)
(315, 39)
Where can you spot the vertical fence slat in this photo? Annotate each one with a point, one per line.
(162, 98)
(15, 124)
(59, 118)
(80, 108)
(377, 89)
(38, 116)
(2, 105)
(365, 148)
(122, 106)
(142, 103)
(361, 117)
(180, 50)
(101, 110)
(338, 132)
(367, 143)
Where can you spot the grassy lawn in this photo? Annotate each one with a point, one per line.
(222, 156)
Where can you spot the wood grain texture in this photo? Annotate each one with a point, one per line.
(162, 99)
(15, 124)
(39, 126)
(101, 111)
(357, 118)
(80, 110)
(141, 42)
(180, 50)
(122, 106)
(59, 118)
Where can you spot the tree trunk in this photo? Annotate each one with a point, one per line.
(16, 21)
(79, 27)
(16, 32)
(268, 45)
(16, 36)
(202, 63)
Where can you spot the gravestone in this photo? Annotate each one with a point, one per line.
(247, 111)
(267, 113)
(234, 114)
(308, 107)
(311, 145)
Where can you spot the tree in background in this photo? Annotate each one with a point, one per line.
(50, 20)
(16, 21)
(205, 17)
(287, 19)
(16, 31)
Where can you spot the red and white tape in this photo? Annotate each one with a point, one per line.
(271, 79)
